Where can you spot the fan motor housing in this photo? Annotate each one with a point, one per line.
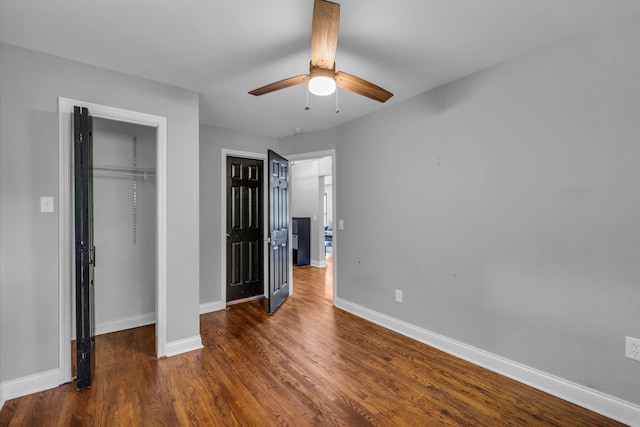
(322, 72)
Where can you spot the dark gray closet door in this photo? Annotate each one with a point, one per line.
(84, 247)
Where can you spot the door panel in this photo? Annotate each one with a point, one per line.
(244, 229)
(84, 247)
(278, 230)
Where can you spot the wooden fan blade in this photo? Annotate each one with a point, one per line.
(324, 33)
(282, 84)
(361, 87)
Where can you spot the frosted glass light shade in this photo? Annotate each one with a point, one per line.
(322, 85)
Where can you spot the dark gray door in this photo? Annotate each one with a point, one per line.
(84, 247)
(245, 253)
(278, 172)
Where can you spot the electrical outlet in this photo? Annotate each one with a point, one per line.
(398, 295)
(632, 349)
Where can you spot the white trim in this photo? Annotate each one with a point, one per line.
(122, 324)
(183, 346)
(223, 227)
(65, 244)
(29, 384)
(64, 241)
(125, 323)
(593, 400)
(319, 264)
(162, 149)
(210, 307)
(2, 398)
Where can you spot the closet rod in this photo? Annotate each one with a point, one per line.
(123, 171)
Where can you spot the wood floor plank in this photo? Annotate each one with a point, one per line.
(307, 364)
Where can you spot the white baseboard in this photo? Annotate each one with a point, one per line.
(121, 324)
(212, 306)
(183, 346)
(125, 323)
(319, 264)
(51, 379)
(29, 384)
(593, 400)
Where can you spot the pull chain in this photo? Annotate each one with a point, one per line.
(337, 109)
(307, 108)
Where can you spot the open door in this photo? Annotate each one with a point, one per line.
(278, 230)
(84, 248)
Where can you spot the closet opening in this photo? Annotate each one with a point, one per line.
(125, 227)
(156, 125)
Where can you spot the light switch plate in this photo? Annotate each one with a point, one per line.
(340, 224)
(46, 204)
(398, 295)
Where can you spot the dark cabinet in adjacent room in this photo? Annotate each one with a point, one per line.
(301, 245)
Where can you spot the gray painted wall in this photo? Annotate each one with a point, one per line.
(125, 273)
(506, 207)
(308, 142)
(212, 141)
(30, 84)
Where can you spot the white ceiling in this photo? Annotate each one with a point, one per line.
(223, 49)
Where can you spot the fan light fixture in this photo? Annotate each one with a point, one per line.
(322, 86)
(322, 81)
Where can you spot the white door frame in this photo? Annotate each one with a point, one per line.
(317, 155)
(66, 218)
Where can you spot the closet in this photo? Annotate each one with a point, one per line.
(124, 200)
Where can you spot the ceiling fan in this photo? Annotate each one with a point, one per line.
(322, 76)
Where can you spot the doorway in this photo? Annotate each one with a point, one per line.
(245, 229)
(66, 278)
(225, 261)
(312, 201)
(124, 198)
(313, 196)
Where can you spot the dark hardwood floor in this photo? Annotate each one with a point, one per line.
(308, 364)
